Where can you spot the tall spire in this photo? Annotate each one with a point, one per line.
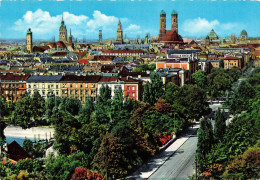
(62, 20)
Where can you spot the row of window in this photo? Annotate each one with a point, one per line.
(13, 92)
(63, 86)
(13, 85)
(128, 94)
(76, 92)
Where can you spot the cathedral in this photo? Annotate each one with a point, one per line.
(169, 37)
(63, 34)
(119, 37)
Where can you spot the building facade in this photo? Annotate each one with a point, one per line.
(79, 87)
(29, 41)
(46, 85)
(119, 34)
(12, 86)
(162, 30)
(63, 32)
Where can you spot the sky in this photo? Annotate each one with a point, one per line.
(85, 17)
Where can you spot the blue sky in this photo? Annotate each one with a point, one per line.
(195, 18)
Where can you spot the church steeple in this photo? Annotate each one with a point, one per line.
(63, 31)
(119, 33)
(70, 38)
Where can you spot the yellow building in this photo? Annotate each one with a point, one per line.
(46, 85)
(231, 62)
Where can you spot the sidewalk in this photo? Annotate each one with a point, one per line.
(147, 169)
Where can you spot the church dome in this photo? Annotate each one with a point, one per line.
(212, 35)
(162, 13)
(243, 33)
(174, 12)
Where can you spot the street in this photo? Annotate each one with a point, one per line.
(180, 164)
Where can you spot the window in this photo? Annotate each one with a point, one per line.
(57, 93)
(43, 92)
(128, 94)
(128, 88)
(93, 92)
(43, 86)
(86, 85)
(52, 86)
(57, 86)
(92, 85)
(133, 88)
(76, 91)
(133, 94)
(71, 92)
(29, 86)
(81, 91)
(86, 92)
(81, 86)
(48, 86)
(63, 85)
(70, 85)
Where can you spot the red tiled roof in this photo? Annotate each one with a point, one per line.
(172, 35)
(40, 48)
(122, 51)
(83, 61)
(60, 44)
(11, 71)
(14, 77)
(104, 58)
(52, 44)
(128, 79)
(108, 79)
(231, 58)
(81, 53)
(93, 78)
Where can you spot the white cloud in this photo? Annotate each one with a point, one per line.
(202, 26)
(132, 27)
(101, 21)
(199, 25)
(42, 23)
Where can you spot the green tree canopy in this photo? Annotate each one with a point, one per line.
(193, 102)
(205, 142)
(171, 92)
(220, 125)
(200, 79)
(153, 90)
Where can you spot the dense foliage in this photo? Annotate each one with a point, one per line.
(235, 151)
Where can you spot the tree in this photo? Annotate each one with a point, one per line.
(51, 103)
(240, 99)
(28, 145)
(23, 112)
(38, 105)
(193, 102)
(86, 111)
(234, 73)
(108, 159)
(246, 166)
(200, 79)
(103, 105)
(171, 92)
(205, 141)
(219, 81)
(220, 125)
(153, 90)
(64, 125)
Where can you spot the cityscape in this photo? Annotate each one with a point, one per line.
(129, 90)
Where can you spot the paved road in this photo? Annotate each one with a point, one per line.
(180, 164)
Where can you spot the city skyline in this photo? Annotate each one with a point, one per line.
(86, 18)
